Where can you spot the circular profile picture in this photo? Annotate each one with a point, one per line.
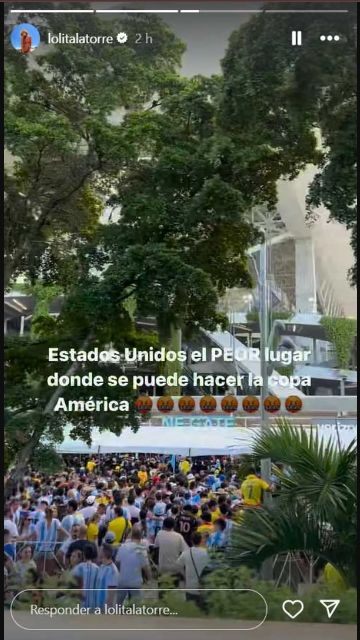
(143, 404)
(250, 404)
(208, 404)
(186, 404)
(293, 404)
(229, 404)
(272, 404)
(165, 404)
(25, 38)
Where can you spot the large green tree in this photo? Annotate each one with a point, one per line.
(181, 217)
(276, 96)
(63, 148)
(181, 203)
(63, 153)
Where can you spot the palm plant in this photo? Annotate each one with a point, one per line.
(316, 509)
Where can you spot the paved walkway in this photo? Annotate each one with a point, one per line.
(268, 631)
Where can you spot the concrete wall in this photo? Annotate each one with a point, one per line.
(331, 244)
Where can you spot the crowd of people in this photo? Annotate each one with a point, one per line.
(108, 526)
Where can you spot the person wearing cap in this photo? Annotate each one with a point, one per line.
(90, 509)
(110, 541)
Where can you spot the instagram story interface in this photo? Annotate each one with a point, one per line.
(180, 319)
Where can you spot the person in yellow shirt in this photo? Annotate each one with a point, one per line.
(90, 465)
(93, 528)
(333, 578)
(252, 489)
(102, 500)
(206, 528)
(119, 526)
(143, 476)
(214, 510)
(184, 466)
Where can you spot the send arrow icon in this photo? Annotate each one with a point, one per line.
(330, 606)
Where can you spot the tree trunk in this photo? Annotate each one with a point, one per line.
(8, 271)
(19, 469)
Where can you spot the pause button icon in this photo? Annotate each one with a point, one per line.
(296, 38)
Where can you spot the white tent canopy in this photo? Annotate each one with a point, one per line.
(194, 441)
(190, 441)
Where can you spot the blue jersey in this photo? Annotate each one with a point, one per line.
(87, 572)
(217, 540)
(10, 550)
(107, 578)
(46, 536)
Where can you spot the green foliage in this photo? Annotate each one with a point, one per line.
(63, 149)
(31, 434)
(43, 295)
(246, 606)
(285, 370)
(316, 507)
(224, 603)
(46, 459)
(276, 98)
(341, 332)
(180, 195)
(320, 473)
(182, 214)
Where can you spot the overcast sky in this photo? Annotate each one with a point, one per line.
(205, 35)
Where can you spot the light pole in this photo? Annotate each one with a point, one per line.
(267, 223)
(264, 338)
(342, 383)
(265, 463)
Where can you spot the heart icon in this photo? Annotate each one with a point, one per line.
(296, 607)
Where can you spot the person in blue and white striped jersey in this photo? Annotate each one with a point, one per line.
(86, 574)
(47, 533)
(107, 578)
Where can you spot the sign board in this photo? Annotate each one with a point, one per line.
(344, 424)
(198, 421)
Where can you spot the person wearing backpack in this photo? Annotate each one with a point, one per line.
(192, 563)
